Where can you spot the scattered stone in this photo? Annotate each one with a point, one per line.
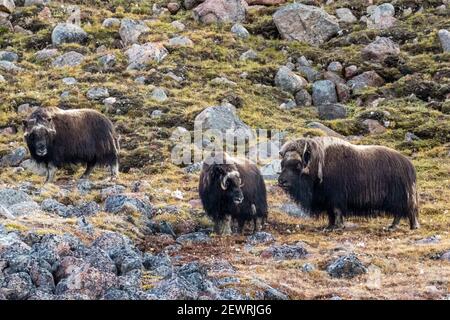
(271, 170)
(14, 158)
(379, 49)
(303, 98)
(274, 294)
(7, 6)
(364, 80)
(180, 41)
(190, 4)
(107, 61)
(240, 31)
(120, 203)
(173, 7)
(445, 256)
(10, 67)
(220, 11)
(9, 56)
(288, 81)
(223, 81)
(345, 15)
(97, 93)
(111, 23)
(305, 23)
(193, 238)
(159, 94)
(335, 67)
(293, 209)
(444, 37)
(70, 81)
(260, 237)
(285, 252)
(159, 265)
(45, 54)
(382, 17)
(68, 33)
(130, 31)
(409, 137)
(343, 92)
(324, 92)
(347, 266)
(34, 167)
(265, 2)
(429, 240)
(373, 126)
(248, 55)
(350, 71)
(2, 79)
(178, 25)
(332, 111)
(69, 59)
(308, 267)
(309, 72)
(288, 105)
(140, 55)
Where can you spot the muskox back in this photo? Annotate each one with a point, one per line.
(217, 202)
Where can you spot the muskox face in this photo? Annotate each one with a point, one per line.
(230, 182)
(39, 135)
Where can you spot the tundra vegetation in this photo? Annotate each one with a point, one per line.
(377, 73)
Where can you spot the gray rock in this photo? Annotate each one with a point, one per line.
(126, 260)
(17, 286)
(14, 158)
(111, 23)
(110, 242)
(190, 4)
(2, 79)
(70, 81)
(335, 67)
(33, 166)
(107, 61)
(373, 126)
(285, 252)
(222, 119)
(345, 15)
(159, 265)
(348, 266)
(97, 93)
(10, 197)
(45, 54)
(223, 81)
(193, 238)
(260, 237)
(159, 94)
(240, 31)
(140, 55)
(325, 129)
(10, 67)
(9, 56)
(288, 105)
(305, 23)
(180, 41)
(309, 72)
(7, 6)
(178, 25)
(382, 17)
(113, 190)
(220, 11)
(429, 240)
(444, 38)
(130, 31)
(308, 267)
(68, 33)
(288, 81)
(176, 288)
(332, 111)
(194, 168)
(364, 80)
(122, 202)
(271, 170)
(409, 137)
(293, 210)
(248, 55)
(274, 294)
(303, 98)
(23, 208)
(350, 71)
(445, 256)
(379, 49)
(161, 227)
(68, 59)
(324, 92)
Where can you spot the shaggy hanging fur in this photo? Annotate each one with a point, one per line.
(218, 203)
(331, 175)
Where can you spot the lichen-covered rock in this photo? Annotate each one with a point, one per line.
(14, 158)
(288, 81)
(9, 56)
(130, 31)
(68, 59)
(192, 238)
(260, 238)
(382, 17)
(345, 15)
(10, 67)
(220, 11)
(68, 33)
(305, 23)
(7, 6)
(240, 31)
(331, 111)
(285, 252)
(379, 49)
(348, 266)
(364, 80)
(444, 37)
(140, 55)
(324, 92)
(97, 93)
(121, 203)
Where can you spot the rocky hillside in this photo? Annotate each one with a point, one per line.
(372, 72)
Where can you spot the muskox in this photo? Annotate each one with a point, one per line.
(232, 189)
(57, 137)
(332, 176)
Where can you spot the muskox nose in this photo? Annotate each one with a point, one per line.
(238, 199)
(282, 182)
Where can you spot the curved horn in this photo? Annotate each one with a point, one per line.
(292, 155)
(223, 182)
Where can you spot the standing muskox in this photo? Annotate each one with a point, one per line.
(331, 175)
(57, 137)
(232, 188)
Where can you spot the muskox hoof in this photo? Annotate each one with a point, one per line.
(392, 227)
(334, 227)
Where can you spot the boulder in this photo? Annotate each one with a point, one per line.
(379, 49)
(303, 98)
(444, 38)
(45, 54)
(69, 59)
(345, 15)
(285, 252)
(97, 93)
(265, 2)
(240, 31)
(14, 158)
(260, 237)
(9, 56)
(288, 81)
(332, 111)
(190, 4)
(122, 203)
(305, 23)
(364, 80)
(382, 17)
(193, 238)
(220, 11)
(159, 94)
(373, 126)
(7, 6)
(324, 92)
(348, 266)
(68, 33)
(110, 23)
(173, 7)
(130, 31)
(140, 55)
(10, 67)
(180, 41)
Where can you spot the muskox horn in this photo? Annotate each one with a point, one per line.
(223, 182)
(292, 155)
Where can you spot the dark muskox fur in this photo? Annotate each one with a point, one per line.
(57, 137)
(244, 198)
(331, 175)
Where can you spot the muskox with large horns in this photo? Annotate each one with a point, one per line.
(332, 176)
(232, 189)
(57, 137)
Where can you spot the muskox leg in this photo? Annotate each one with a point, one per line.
(227, 225)
(89, 167)
(241, 225)
(51, 171)
(114, 170)
(257, 224)
(395, 223)
(414, 222)
(335, 220)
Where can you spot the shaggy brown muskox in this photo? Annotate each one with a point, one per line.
(331, 175)
(232, 188)
(57, 137)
